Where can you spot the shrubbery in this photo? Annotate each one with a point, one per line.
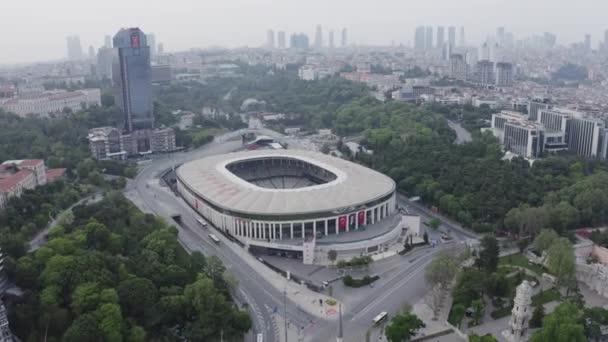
(354, 282)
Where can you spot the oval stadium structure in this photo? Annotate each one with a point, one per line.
(285, 196)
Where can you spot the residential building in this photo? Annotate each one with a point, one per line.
(318, 37)
(131, 73)
(484, 72)
(52, 102)
(151, 39)
(419, 41)
(461, 40)
(344, 41)
(107, 42)
(5, 330)
(504, 74)
(587, 42)
(452, 36)
(163, 140)
(428, 38)
(331, 39)
(161, 73)
(17, 176)
(109, 143)
(440, 37)
(299, 41)
(106, 143)
(104, 62)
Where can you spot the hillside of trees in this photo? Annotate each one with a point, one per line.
(115, 274)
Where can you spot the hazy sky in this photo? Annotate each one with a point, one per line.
(35, 30)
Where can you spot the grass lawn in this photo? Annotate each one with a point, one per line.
(546, 297)
(521, 261)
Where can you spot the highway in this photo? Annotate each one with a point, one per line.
(402, 280)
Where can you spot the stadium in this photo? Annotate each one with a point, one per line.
(282, 199)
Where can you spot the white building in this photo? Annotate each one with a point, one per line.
(52, 102)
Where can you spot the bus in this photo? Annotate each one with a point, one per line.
(201, 223)
(380, 317)
(214, 238)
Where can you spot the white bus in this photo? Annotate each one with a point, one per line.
(201, 222)
(380, 317)
(214, 238)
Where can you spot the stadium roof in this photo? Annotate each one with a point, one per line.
(354, 185)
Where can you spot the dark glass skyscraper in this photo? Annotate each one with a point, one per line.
(131, 74)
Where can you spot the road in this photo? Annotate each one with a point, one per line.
(402, 281)
(462, 135)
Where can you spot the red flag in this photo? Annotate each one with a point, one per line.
(196, 203)
(361, 217)
(342, 222)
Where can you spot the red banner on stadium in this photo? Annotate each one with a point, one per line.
(361, 217)
(342, 222)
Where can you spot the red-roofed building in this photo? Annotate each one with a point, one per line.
(54, 175)
(19, 175)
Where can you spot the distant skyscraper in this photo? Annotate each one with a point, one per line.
(131, 73)
(606, 40)
(587, 42)
(428, 38)
(504, 74)
(462, 42)
(440, 36)
(107, 42)
(549, 39)
(299, 41)
(500, 36)
(344, 37)
(74, 48)
(419, 38)
(151, 38)
(161, 48)
(91, 52)
(331, 39)
(318, 37)
(104, 63)
(452, 36)
(270, 39)
(281, 39)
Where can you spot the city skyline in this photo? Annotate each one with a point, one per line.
(216, 26)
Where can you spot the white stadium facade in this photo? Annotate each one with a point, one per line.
(286, 200)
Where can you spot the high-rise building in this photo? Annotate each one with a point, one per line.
(344, 37)
(461, 40)
(440, 36)
(485, 72)
(504, 74)
(419, 38)
(74, 48)
(535, 106)
(524, 138)
(587, 42)
(91, 52)
(161, 48)
(281, 39)
(549, 40)
(299, 41)
(606, 40)
(331, 39)
(500, 36)
(104, 63)
(131, 73)
(270, 39)
(428, 38)
(151, 38)
(452, 36)
(107, 42)
(585, 136)
(458, 67)
(318, 37)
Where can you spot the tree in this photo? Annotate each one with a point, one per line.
(484, 338)
(545, 239)
(403, 327)
(478, 310)
(457, 314)
(138, 295)
(488, 256)
(332, 255)
(111, 322)
(434, 223)
(441, 270)
(563, 325)
(536, 321)
(561, 261)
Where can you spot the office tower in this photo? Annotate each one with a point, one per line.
(131, 75)
(458, 67)
(461, 40)
(500, 36)
(504, 74)
(549, 40)
(91, 52)
(107, 42)
(440, 36)
(270, 39)
(331, 39)
(524, 138)
(74, 48)
(161, 48)
(584, 136)
(344, 37)
(428, 41)
(452, 36)
(587, 42)
(299, 41)
(606, 40)
(318, 37)
(419, 38)
(104, 63)
(485, 72)
(446, 52)
(151, 38)
(281, 39)
(535, 106)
